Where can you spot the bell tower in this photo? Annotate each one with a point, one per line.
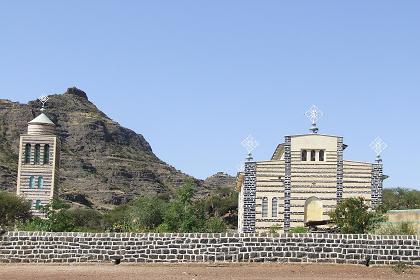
(39, 157)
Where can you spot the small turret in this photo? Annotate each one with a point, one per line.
(41, 125)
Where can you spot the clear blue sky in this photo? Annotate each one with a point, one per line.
(196, 77)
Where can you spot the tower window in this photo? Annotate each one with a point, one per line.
(28, 153)
(46, 154)
(313, 155)
(37, 153)
(40, 182)
(37, 204)
(274, 207)
(32, 182)
(304, 155)
(321, 155)
(265, 207)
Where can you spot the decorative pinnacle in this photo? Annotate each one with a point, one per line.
(314, 114)
(43, 99)
(249, 144)
(378, 146)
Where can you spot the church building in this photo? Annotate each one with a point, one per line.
(39, 156)
(304, 179)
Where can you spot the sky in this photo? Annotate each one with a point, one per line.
(197, 77)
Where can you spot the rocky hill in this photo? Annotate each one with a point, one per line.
(102, 163)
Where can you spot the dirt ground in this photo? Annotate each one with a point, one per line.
(201, 272)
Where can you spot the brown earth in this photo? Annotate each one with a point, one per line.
(202, 272)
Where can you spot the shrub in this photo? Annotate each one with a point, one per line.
(13, 210)
(403, 228)
(215, 225)
(353, 216)
(299, 230)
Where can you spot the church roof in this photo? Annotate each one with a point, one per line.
(42, 119)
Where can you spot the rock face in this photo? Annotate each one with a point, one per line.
(102, 163)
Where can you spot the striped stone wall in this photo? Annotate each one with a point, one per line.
(270, 177)
(41, 247)
(357, 180)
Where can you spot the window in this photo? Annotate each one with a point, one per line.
(274, 207)
(40, 182)
(313, 155)
(37, 204)
(321, 155)
(37, 153)
(28, 153)
(265, 207)
(47, 154)
(32, 182)
(304, 155)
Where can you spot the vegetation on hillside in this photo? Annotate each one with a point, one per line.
(182, 213)
(185, 212)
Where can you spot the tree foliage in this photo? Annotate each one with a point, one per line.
(353, 216)
(13, 209)
(401, 199)
(60, 217)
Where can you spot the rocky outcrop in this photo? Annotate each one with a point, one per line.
(102, 163)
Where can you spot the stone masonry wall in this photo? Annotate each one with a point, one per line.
(41, 247)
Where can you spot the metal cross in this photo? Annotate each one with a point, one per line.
(43, 99)
(378, 146)
(314, 114)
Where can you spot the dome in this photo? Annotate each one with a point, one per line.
(41, 125)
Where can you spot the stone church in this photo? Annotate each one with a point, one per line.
(39, 157)
(304, 179)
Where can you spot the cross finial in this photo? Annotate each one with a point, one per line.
(249, 144)
(314, 114)
(43, 99)
(378, 146)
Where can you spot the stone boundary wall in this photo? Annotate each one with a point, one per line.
(42, 247)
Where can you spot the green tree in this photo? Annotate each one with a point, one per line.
(401, 199)
(353, 216)
(215, 225)
(61, 218)
(146, 213)
(182, 215)
(13, 210)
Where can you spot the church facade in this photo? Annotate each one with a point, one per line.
(304, 179)
(38, 167)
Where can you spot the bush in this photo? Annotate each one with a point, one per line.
(13, 210)
(60, 218)
(403, 228)
(299, 230)
(146, 213)
(274, 229)
(215, 225)
(353, 216)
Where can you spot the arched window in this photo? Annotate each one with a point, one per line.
(37, 204)
(28, 153)
(40, 182)
(304, 155)
(313, 155)
(37, 153)
(321, 155)
(274, 207)
(32, 182)
(46, 154)
(265, 207)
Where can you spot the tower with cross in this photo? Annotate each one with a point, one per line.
(39, 157)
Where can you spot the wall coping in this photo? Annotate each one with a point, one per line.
(211, 235)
